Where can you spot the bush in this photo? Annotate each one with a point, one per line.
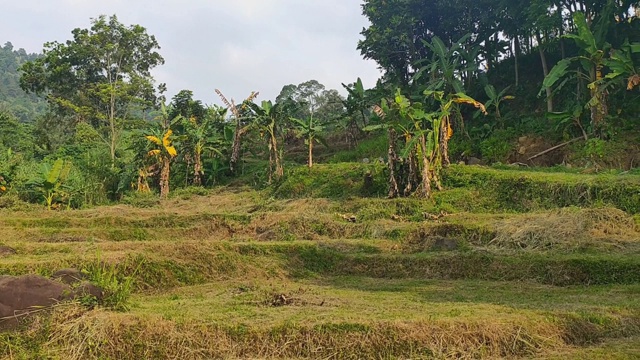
(371, 148)
(189, 192)
(141, 199)
(333, 181)
(497, 147)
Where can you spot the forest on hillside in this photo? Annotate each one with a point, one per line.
(538, 83)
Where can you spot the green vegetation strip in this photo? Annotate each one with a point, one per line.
(529, 190)
(167, 265)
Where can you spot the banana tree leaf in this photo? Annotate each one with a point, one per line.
(300, 122)
(491, 92)
(53, 174)
(558, 71)
(584, 38)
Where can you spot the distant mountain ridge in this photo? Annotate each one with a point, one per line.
(25, 107)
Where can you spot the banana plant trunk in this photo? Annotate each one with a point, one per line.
(277, 156)
(197, 170)
(235, 152)
(426, 169)
(164, 178)
(393, 159)
(310, 152)
(271, 162)
(545, 71)
(445, 134)
(352, 134)
(412, 178)
(516, 54)
(599, 108)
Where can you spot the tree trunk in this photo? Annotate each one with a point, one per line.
(197, 170)
(599, 109)
(393, 159)
(545, 70)
(516, 53)
(143, 185)
(276, 154)
(164, 178)
(445, 134)
(235, 152)
(352, 134)
(310, 153)
(412, 178)
(271, 162)
(112, 127)
(426, 169)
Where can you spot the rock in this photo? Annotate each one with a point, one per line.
(366, 161)
(68, 276)
(86, 288)
(6, 251)
(20, 294)
(474, 161)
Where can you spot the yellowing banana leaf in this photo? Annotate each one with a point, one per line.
(154, 139)
(172, 151)
(165, 140)
(155, 152)
(464, 99)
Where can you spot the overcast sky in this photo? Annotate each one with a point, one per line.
(234, 45)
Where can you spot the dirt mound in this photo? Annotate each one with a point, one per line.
(21, 295)
(567, 228)
(24, 295)
(5, 251)
(529, 146)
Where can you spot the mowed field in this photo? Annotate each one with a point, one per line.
(291, 274)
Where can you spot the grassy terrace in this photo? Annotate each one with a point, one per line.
(502, 264)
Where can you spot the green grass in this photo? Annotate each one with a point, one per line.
(284, 273)
(332, 181)
(519, 190)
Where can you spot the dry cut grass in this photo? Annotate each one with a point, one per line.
(568, 228)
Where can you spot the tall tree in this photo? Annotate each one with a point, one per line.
(98, 76)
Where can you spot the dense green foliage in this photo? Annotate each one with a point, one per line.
(13, 100)
(536, 74)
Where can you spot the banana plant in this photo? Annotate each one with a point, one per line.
(269, 119)
(310, 131)
(596, 56)
(622, 66)
(201, 138)
(163, 152)
(448, 107)
(495, 100)
(421, 133)
(446, 69)
(356, 104)
(51, 183)
(240, 129)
